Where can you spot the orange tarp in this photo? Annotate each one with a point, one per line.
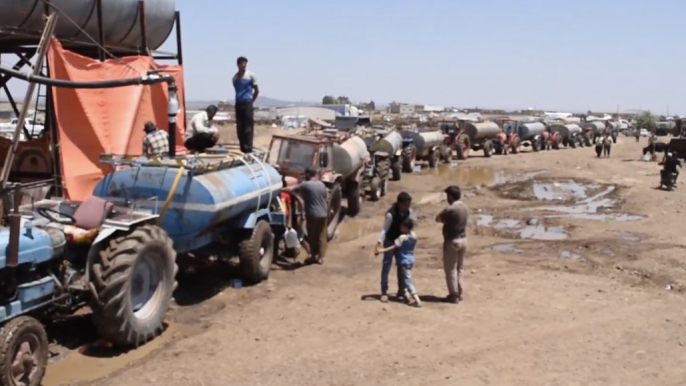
(92, 122)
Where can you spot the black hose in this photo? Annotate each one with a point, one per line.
(144, 80)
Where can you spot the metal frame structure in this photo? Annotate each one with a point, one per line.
(26, 49)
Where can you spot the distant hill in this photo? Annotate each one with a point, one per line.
(261, 102)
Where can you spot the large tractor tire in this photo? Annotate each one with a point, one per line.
(257, 253)
(134, 277)
(516, 146)
(23, 352)
(463, 146)
(488, 149)
(434, 158)
(375, 189)
(334, 216)
(409, 154)
(396, 171)
(354, 199)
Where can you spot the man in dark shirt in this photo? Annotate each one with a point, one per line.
(314, 197)
(454, 219)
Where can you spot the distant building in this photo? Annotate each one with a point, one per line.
(319, 113)
(342, 110)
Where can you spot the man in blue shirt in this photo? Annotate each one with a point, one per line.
(245, 84)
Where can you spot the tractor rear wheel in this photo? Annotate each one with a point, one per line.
(409, 155)
(488, 149)
(134, 277)
(334, 215)
(257, 253)
(462, 147)
(375, 189)
(23, 352)
(354, 199)
(433, 159)
(396, 171)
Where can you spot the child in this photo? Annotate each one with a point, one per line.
(405, 245)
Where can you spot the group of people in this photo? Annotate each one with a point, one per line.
(603, 145)
(397, 242)
(201, 133)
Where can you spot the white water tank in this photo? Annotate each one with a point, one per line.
(349, 156)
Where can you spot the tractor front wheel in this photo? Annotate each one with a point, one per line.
(134, 277)
(23, 352)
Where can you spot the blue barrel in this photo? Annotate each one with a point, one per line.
(204, 206)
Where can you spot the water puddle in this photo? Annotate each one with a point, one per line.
(508, 248)
(477, 176)
(596, 207)
(88, 363)
(566, 255)
(543, 233)
(487, 220)
(562, 190)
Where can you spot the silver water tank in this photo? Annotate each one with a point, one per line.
(22, 20)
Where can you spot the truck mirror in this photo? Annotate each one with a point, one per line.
(323, 159)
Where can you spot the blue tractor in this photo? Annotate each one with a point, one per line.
(116, 252)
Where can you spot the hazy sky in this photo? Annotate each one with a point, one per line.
(550, 54)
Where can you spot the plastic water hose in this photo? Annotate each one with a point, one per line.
(147, 79)
(170, 195)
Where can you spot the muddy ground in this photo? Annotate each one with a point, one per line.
(573, 277)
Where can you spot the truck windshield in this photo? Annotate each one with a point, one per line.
(299, 155)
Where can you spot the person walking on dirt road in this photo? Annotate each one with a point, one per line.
(395, 216)
(454, 219)
(245, 84)
(607, 146)
(314, 198)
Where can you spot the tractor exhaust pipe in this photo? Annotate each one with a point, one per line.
(14, 219)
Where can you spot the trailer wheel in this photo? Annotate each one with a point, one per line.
(334, 217)
(516, 145)
(587, 140)
(257, 253)
(384, 187)
(446, 154)
(536, 145)
(354, 199)
(396, 171)
(572, 143)
(488, 149)
(433, 159)
(23, 352)
(134, 278)
(409, 156)
(555, 143)
(614, 138)
(375, 189)
(463, 146)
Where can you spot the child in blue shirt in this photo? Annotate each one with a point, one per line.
(404, 247)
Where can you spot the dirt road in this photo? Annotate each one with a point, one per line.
(573, 277)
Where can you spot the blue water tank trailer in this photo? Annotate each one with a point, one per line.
(209, 203)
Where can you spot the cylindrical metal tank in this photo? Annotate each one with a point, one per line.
(527, 131)
(391, 143)
(201, 201)
(481, 130)
(566, 131)
(595, 127)
(613, 125)
(424, 140)
(20, 19)
(349, 155)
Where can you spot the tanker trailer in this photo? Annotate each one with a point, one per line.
(463, 136)
(385, 148)
(215, 205)
(612, 128)
(78, 20)
(428, 143)
(569, 135)
(592, 130)
(525, 134)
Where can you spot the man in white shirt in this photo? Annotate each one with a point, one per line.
(201, 134)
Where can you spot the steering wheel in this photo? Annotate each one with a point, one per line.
(64, 219)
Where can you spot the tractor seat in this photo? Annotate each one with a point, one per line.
(91, 214)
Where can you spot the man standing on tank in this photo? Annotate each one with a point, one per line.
(395, 216)
(245, 84)
(314, 197)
